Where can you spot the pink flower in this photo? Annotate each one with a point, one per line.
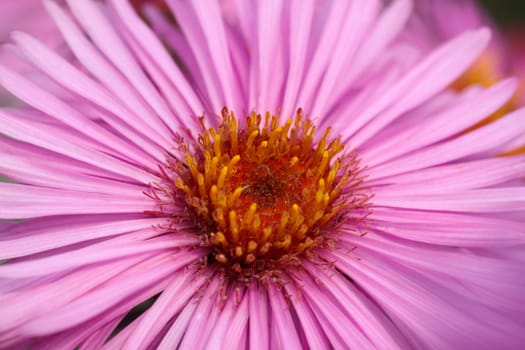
(238, 230)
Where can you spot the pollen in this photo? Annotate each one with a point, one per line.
(264, 192)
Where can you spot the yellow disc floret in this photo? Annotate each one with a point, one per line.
(264, 191)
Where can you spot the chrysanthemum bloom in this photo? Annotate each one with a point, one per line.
(283, 175)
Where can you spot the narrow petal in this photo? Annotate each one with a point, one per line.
(60, 141)
(94, 254)
(448, 122)
(204, 317)
(258, 305)
(159, 55)
(423, 81)
(475, 142)
(173, 299)
(74, 80)
(451, 229)
(475, 201)
(21, 201)
(458, 176)
(178, 329)
(97, 301)
(33, 236)
(313, 332)
(135, 112)
(286, 333)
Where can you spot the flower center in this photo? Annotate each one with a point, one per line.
(263, 193)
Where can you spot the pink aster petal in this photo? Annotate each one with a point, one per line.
(380, 331)
(361, 16)
(452, 58)
(320, 51)
(214, 31)
(267, 58)
(285, 333)
(153, 46)
(452, 229)
(485, 139)
(98, 27)
(459, 176)
(480, 270)
(198, 44)
(177, 330)
(74, 80)
(54, 139)
(204, 317)
(176, 41)
(173, 299)
(504, 199)
(31, 17)
(135, 110)
(447, 122)
(97, 339)
(33, 236)
(117, 342)
(52, 106)
(93, 254)
(238, 331)
(232, 322)
(313, 332)
(299, 29)
(34, 300)
(99, 300)
(427, 301)
(336, 324)
(389, 24)
(82, 332)
(21, 201)
(258, 305)
(23, 160)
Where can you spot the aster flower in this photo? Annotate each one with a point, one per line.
(258, 175)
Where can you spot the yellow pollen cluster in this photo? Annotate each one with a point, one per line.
(263, 190)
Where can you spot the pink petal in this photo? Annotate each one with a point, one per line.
(480, 140)
(134, 111)
(451, 229)
(258, 305)
(21, 201)
(475, 201)
(66, 143)
(101, 299)
(448, 122)
(423, 81)
(285, 330)
(172, 300)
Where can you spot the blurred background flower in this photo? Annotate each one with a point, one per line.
(435, 21)
(31, 17)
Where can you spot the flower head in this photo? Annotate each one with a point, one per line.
(257, 175)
